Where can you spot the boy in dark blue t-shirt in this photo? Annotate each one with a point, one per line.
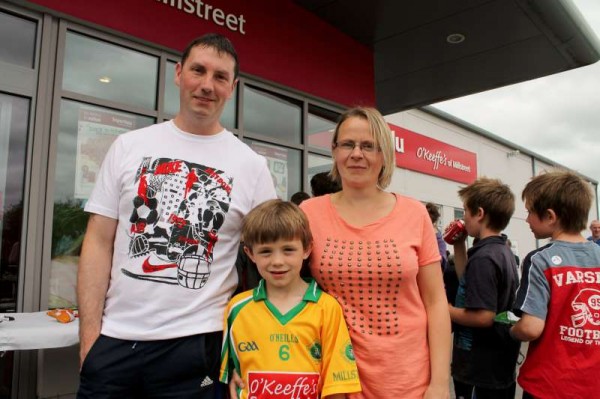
(484, 357)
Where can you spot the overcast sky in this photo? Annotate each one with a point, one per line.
(557, 116)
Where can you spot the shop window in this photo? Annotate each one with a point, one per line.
(86, 132)
(171, 105)
(17, 40)
(103, 70)
(321, 126)
(284, 164)
(272, 115)
(14, 117)
(459, 213)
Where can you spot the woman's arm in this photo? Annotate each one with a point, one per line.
(431, 288)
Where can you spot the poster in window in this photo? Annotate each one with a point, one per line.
(96, 131)
(277, 158)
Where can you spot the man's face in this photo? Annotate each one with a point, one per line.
(595, 227)
(206, 81)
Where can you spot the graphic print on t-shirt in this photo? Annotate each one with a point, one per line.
(177, 213)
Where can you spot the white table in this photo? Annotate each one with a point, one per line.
(36, 330)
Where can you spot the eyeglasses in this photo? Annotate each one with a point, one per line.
(365, 146)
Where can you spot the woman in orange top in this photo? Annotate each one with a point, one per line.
(376, 253)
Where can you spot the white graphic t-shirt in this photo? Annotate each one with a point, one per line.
(179, 200)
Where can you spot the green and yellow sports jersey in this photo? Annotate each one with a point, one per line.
(304, 354)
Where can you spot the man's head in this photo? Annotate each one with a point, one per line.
(559, 196)
(206, 76)
(299, 197)
(275, 220)
(434, 212)
(321, 184)
(488, 203)
(595, 228)
(220, 43)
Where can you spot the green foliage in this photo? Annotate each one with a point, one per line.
(68, 228)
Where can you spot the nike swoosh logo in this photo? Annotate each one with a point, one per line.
(147, 267)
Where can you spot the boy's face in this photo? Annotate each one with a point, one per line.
(279, 262)
(540, 226)
(473, 222)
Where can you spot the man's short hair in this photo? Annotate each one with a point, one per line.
(299, 197)
(434, 212)
(567, 194)
(494, 197)
(275, 220)
(322, 183)
(220, 43)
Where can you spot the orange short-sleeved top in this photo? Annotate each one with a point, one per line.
(371, 271)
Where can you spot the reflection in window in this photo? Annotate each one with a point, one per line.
(110, 72)
(17, 40)
(86, 133)
(171, 105)
(171, 90)
(284, 164)
(321, 125)
(459, 213)
(14, 117)
(272, 115)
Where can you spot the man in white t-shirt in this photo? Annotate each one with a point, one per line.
(157, 264)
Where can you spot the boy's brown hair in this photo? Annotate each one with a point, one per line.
(494, 197)
(275, 220)
(567, 194)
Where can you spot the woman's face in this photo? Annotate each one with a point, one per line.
(361, 165)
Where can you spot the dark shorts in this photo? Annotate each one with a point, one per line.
(466, 391)
(185, 367)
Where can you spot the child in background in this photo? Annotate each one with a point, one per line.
(484, 357)
(559, 296)
(286, 338)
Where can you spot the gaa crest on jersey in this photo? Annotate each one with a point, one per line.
(315, 351)
(177, 212)
(348, 352)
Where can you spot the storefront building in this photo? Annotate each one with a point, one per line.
(75, 74)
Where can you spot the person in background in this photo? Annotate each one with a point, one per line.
(484, 357)
(157, 264)
(450, 279)
(299, 197)
(322, 183)
(517, 260)
(313, 348)
(376, 253)
(595, 228)
(559, 295)
(434, 215)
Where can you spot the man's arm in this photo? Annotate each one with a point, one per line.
(432, 293)
(528, 328)
(93, 277)
(472, 317)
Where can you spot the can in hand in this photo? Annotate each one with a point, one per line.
(455, 231)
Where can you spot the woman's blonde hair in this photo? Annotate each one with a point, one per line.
(382, 138)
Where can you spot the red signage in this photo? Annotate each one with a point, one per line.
(282, 385)
(276, 40)
(433, 157)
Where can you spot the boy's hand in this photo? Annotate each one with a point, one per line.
(235, 384)
(507, 317)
